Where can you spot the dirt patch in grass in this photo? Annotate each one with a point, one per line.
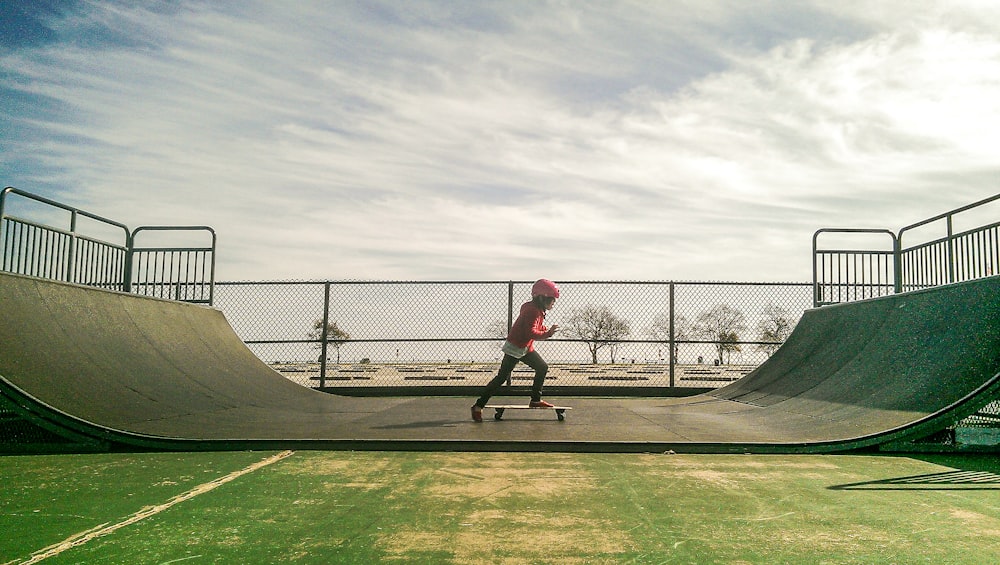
(981, 524)
(364, 472)
(673, 463)
(499, 536)
(501, 478)
(508, 508)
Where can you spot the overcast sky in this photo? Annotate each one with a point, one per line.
(440, 140)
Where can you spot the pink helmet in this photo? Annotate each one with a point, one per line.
(545, 287)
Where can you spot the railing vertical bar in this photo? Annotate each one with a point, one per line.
(201, 275)
(47, 245)
(7, 226)
(24, 255)
(32, 252)
(154, 287)
(145, 280)
(187, 274)
(993, 253)
(92, 264)
(102, 266)
(21, 260)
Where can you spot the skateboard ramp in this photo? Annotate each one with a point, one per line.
(117, 371)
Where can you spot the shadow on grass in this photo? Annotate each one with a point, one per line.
(970, 472)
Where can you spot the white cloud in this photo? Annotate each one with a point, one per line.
(434, 140)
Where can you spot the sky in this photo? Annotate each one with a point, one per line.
(510, 140)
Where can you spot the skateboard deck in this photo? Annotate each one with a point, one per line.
(560, 410)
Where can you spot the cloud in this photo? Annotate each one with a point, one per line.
(435, 140)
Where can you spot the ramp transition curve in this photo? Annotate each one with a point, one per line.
(107, 370)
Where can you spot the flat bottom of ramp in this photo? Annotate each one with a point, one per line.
(688, 424)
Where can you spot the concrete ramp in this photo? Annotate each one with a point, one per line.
(119, 371)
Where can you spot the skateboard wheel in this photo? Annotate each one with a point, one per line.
(561, 414)
(498, 414)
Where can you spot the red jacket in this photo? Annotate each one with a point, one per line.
(528, 327)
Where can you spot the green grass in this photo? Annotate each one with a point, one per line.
(344, 507)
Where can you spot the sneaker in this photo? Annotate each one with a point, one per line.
(540, 404)
(477, 413)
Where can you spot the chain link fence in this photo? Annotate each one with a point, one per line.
(393, 334)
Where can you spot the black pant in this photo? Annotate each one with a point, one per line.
(531, 359)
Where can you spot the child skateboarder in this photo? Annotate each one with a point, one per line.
(520, 346)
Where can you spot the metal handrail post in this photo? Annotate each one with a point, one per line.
(3, 201)
(129, 256)
(817, 299)
(897, 265)
(74, 242)
(211, 280)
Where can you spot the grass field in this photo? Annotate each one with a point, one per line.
(369, 507)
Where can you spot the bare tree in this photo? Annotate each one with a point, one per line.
(774, 327)
(728, 343)
(497, 329)
(334, 335)
(598, 327)
(722, 325)
(659, 329)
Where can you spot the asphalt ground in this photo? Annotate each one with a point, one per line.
(462, 507)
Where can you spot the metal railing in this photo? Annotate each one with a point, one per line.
(61, 253)
(102, 253)
(953, 256)
(176, 273)
(842, 273)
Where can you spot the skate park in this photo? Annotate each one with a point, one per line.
(93, 369)
(262, 257)
(145, 426)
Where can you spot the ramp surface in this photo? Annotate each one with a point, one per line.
(134, 372)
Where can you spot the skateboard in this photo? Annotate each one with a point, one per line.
(498, 415)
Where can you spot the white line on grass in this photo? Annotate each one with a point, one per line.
(83, 537)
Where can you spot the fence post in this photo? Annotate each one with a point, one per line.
(510, 304)
(323, 334)
(510, 314)
(672, 358)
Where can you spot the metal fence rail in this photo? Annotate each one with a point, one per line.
(954, 257)
(947, 255)
(411, 333)
(176, 273)
(842, 275)
(54, 245)
(61, 253)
